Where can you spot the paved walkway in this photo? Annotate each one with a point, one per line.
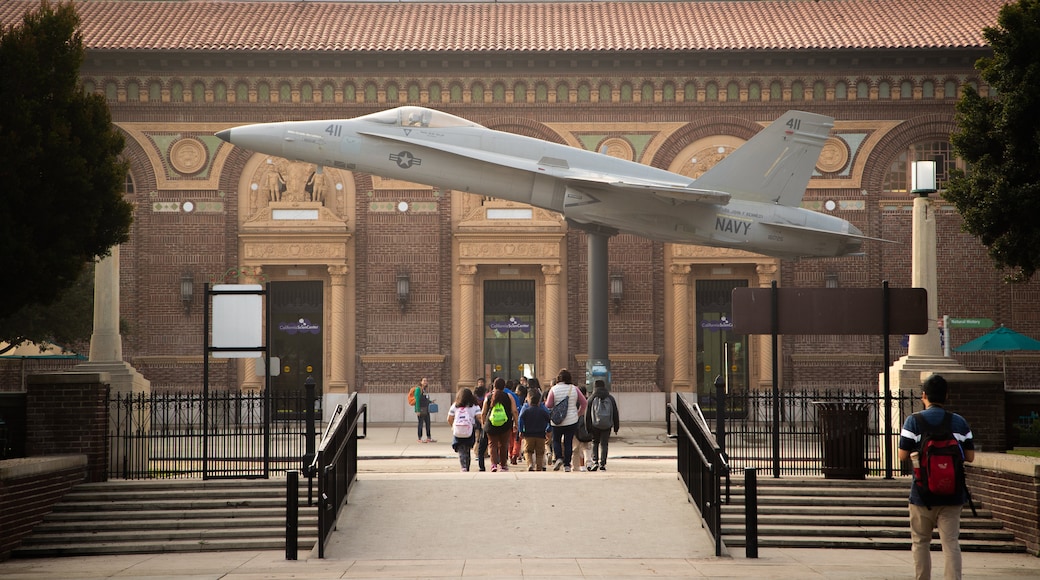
(443, 530)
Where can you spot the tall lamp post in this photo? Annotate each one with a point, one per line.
(923, 263)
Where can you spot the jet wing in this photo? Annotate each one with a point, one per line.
(559, 169)
(843, 235)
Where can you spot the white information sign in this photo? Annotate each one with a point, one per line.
(238, 320)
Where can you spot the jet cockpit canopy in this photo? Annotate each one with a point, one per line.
(418, 117)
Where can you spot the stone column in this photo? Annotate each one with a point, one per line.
(339, 352)
(766, 274)
(923, 275)
(680, 327)
(551, 274)
(468, 346)
(249, 380)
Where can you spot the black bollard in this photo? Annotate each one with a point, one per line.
(292, 512)
(750, 513)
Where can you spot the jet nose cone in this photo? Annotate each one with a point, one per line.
(225, 135)
(262, 138)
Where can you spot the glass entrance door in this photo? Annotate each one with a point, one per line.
(509, 340)
(296, 339)
(714, 319)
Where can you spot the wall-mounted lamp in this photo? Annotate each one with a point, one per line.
(403, 284)
(922, 178)
(830, 280)
(617, 289)
(187, 291)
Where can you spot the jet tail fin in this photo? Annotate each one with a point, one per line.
(775, 165)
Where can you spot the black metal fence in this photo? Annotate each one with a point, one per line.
(749, 418)
(701, 465)
(223, 434)
(336, 465)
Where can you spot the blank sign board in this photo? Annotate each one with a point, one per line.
(830, 311)
(237, 319)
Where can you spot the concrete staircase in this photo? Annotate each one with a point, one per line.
(825, 513)
(156, 516)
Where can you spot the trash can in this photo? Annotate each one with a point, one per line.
(843, 430)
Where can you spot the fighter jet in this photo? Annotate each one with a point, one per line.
(750, 200)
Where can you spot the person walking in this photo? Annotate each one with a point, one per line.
(534, 424)
(601, 417)
(422, 410)
(564, 429)
(499, 416)
(480, 392)
(462, 416)
(927, 510)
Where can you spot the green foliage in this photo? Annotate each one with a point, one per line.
(68, 322)
(61, 203)
(999, 137)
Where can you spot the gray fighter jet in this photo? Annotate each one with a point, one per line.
(750, 200)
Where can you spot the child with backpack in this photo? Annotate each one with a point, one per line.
(462, 416)
(498, 418)
(939, 442)
(534, 424)
(601, 416)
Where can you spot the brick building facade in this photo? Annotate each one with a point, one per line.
(656, 87)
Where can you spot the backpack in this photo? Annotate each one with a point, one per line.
(559, 411)
(583, 434)
(602, 413)
(498, 416)
(941, 474)
(462, 427)
(411, 396)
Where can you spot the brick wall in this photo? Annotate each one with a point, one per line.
(979, 397)
(68, 413)
(1009, 486)
(29, 488)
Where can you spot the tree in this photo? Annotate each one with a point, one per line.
(62, 178)
(67, 322)
(999, 137)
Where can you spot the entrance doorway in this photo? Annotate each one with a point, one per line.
(715, 330)
(296, 339)
(509, 337)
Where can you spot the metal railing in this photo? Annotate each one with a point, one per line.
(335, 465)
(701, 464)
(189, 435)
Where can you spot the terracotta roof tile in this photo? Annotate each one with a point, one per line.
(527, 26)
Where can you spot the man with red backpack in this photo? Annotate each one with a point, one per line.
(938, 442)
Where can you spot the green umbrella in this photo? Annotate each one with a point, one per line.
(1000, 340)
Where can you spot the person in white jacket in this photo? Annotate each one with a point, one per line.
(565, 428)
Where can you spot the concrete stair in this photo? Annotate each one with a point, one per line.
(161, 516)
(827, 513)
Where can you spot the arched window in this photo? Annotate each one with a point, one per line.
(520, 93)
(604, 93)
(584, 93)
(647, 95)
(435, 93)
(541, 93)
(89, 87)
(198, 92)
(732, 91)
(455, 93)
(906, 90)
(477, 92)
(711, 92)
(155, 92)
(413, 93)
(668, 92)
(328, 93)
(884, 90)
(898, 177)
(498, 93)
(563, 93)
(862, 90)
(950, 89)
(626, 92)
(841, 91)
(371, 93)
(176, 91)
(754, 91)
(133, 91)
(776, 91)
(819, 91)
(797, 91)
(220, 92)
(263, 93)
(690, 91)
(284, 93)
(393, 95)
(928, 90)
(128, 184)
(306, 93)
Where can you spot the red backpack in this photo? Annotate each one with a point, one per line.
(941, 475)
